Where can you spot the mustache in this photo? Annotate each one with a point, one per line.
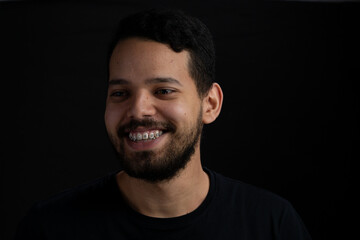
(146, 123)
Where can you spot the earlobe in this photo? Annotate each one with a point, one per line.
(212, 104)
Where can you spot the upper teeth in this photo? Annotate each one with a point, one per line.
(145, 135)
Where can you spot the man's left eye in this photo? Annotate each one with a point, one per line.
(164, 91)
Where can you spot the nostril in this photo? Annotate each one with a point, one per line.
(141, 106)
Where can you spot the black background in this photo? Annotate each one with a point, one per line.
(288, 71)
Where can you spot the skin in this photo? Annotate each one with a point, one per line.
(136, 93)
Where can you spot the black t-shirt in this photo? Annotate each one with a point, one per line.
(231, 210)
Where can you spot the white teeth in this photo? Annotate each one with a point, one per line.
(152, 135)
(145, 136)
(139, 137)
(131, 136)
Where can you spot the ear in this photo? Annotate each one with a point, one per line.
(212, 104)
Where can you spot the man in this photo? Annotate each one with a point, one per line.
(161, 91)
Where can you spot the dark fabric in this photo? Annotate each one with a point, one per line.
(231, 210)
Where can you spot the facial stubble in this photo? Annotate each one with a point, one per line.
(163, 164)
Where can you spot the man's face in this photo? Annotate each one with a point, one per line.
(153, 112)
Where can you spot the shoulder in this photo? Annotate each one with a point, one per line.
(246, 191)
(258, 207)
(249, 198)
(93, 192)
(274, 213)
(77, 206)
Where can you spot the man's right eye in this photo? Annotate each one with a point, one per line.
(118, 94)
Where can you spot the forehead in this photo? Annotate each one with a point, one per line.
(136, 59)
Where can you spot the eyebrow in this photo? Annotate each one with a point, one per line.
(118, 82)
(162, 80)
(147, 81)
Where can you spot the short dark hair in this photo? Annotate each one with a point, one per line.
(180, 32)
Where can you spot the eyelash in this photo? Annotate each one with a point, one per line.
(114, 94)
(162, 91)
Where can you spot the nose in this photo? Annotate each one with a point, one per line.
(141, 105)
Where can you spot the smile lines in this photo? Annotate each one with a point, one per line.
(149, 135)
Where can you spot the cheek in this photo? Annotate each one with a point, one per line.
(112, 117)
(180, 113)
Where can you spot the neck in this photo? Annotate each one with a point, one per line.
(176, 197)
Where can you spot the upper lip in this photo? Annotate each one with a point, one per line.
(142, 129)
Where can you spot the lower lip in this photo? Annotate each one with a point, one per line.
(144, 145)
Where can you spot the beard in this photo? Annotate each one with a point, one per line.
(162, 164)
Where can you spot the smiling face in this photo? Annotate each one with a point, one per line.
(153, 111)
